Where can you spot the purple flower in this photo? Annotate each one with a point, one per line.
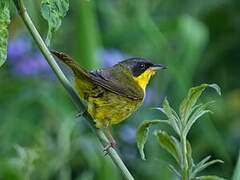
(24, 60)
(31, 65)
(18, 48)
(110, 57)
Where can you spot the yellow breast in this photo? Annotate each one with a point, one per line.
(111, 108)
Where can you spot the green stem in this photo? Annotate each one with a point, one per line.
(185, 166)
(48, 56)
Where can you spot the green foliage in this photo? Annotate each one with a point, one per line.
(172, 116)
(181, 149)
(4, 22)
(187, 106)
(203, 38)
(170, 144)
(142, 134)
(25, 161)
(203, 164)
(53, 11)
(209, 178)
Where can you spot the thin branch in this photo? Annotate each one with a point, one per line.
(51, 61)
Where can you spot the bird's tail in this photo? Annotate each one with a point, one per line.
(71, 63)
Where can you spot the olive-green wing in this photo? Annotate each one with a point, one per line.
(119, 81)
(115, 79)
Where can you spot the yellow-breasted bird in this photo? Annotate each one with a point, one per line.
(114, 93)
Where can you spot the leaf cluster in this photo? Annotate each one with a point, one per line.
(53, 11)
(179, 147)
(4, 22)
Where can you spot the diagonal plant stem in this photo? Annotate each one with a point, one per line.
(75, 98)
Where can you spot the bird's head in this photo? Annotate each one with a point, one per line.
(141, 70)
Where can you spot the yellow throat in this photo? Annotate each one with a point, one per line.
(144, 78)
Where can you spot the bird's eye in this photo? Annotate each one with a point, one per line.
(142, 66)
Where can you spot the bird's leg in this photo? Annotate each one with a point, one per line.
(112, 143)
(80, 113)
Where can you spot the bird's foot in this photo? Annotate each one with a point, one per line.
(111, 144)
(79, 114)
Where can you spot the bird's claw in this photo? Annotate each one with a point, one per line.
(79, 114)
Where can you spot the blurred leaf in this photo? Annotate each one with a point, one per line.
(142, 134)
(53, 11)
(25, 160)
(170, 144)
(191, 99)
(236, 174)
(194, 32)
(4, 22)
(210, 178)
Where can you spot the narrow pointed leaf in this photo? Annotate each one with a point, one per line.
(198, 165)
(209, 178)
(207, 164)
(216, 87)
(167, 108)
(4, 22)
(142, 134)
(193, 120)
(203, 161)
(170, 144)
(192, 97)
(172, 116)
(203, 165)
(197, 106)
(196, 112)
(174, 170)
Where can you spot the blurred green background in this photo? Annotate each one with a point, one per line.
(199, 41)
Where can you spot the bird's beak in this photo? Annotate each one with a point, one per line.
(156, 67)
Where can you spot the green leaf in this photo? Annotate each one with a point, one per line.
(196, 112)
(191, 99)
(4, 22)
(142, 134)
(170, 144)
(174, 170)
(216, 87)
(172, 116)
(193, 120)
(204, 164)
(210, 178)
(53, 11)
(203, 161)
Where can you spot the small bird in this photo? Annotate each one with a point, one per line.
(112, 94)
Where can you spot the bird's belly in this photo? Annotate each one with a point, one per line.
(111, 108)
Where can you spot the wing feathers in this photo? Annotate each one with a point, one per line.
(108, 79)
